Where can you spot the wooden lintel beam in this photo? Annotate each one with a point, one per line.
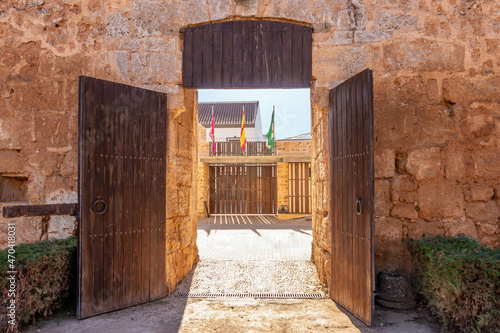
(40, 210)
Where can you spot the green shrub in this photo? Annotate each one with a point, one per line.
(46, 277)
(460, 282)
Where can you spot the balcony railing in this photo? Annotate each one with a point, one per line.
(233, 148)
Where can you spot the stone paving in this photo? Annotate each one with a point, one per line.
(261, 256)
(264, 258)
(256, 242)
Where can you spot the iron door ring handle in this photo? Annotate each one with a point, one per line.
(98, 201)
(359, 207)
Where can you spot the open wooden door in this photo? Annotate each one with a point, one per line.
(352, 184)
(122, 196)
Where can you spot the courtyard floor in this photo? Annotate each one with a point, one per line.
(252, 277)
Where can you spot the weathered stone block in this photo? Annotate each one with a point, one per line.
(481, 193)
(403, 184)
(390, 21)
(424, 55)
(417, 229)
(149, 67)
(483, 211)
(382, 198)
(395, 127)
(366, 36)
(195, 11)
(455, 228)
(389, 229)
(440, 200)
(425, 163)
(487, 164)
(404, 211)
(455, 167)
(246, 7)
(385, 163)
(219, 9)
(153, 17)
(466, 90)
(478, 126)
(12, 162)
(391, 254)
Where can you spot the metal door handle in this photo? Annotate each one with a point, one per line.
(359, 207)
(104, 208)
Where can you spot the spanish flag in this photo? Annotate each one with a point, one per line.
(212, 131)
(243, 138)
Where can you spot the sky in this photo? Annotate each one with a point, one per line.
(293, 107)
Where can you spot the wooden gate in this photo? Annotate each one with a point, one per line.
(243, 189)
(299, 188)
(122, 196)
(351, 174)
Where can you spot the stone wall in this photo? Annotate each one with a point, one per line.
(293, 148)
(436, 90)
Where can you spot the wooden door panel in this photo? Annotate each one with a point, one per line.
(351, 193)
(122, 199)
(243, 189)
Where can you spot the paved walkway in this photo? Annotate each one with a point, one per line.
(245, 259)
(256, 242)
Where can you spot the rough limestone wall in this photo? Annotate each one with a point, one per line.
(293, 148)
(437, 119)
(436, 89)
(45, 47)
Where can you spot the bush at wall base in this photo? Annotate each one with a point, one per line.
(460, 282)
(45, 279)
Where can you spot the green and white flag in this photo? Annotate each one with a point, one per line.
(270, 134)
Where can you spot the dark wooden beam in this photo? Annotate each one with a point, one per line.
(40, 210)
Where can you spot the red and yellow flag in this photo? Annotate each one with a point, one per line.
(212, 131)
(243, 138)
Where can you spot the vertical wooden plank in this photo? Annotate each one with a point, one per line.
(237, 80)
(128, 193)
(213, 190)
(85, 193)
(217, 59)
(145, 201)
(187, 58)
(118, 204)
(258, 54)
(287, 55)
(227, 54)
(306, 57)
(137, 179)
(307, 184)
(297, 187)
(277, 77)
(297, 48)
(198, 52)
(154, 170)
(109, 131)
(248, 49)
(162, 196)
(368, 85)
(268, 64)
(207, 55)
(99, 179)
